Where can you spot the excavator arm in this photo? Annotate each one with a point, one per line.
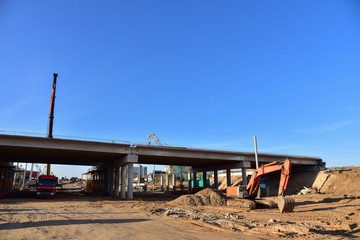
(284, 167)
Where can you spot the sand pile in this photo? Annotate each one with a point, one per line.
(208, 197)
(341, 181)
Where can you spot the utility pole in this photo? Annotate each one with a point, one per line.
(257, 163)
(51, 117)
(256, 153)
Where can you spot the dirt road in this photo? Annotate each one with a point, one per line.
(334, 213)
(71, 216)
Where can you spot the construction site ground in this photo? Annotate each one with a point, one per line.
(331, 213)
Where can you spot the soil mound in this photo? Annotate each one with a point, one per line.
(208, 197)
(341, 181)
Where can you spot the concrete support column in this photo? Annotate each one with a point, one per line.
(174, 182)
(167, 183)
(194, 179)
(123, 182)
(116, 192)
(162, 182)
(228, 177)
(139, 175)
(107, 181)
(189, 183)
(244, 177)
(1, 179)
(204, 179)
(216, 181)
(111, 181)
(130, 181)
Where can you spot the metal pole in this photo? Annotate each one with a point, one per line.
(257, 163)
(256, 152)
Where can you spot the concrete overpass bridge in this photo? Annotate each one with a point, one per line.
(114, 156)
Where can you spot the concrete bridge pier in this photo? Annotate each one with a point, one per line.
(174, 182)
(204, 179)
(123, 182)
(189, 183)
(194, 179)
(130, 181)
(244, 177)
(111, 186)
(162, 182)
(228, 177)
(216, 180)
(116, 192)
(167, 183)
(107, 181)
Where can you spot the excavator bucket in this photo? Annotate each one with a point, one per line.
(286, 204)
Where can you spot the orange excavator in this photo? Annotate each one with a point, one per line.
(286, 204)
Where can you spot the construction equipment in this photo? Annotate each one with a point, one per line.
(286, 204)
(51, 118)
(155, 139)
(46, 186)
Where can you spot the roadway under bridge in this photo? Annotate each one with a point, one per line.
(113, 157)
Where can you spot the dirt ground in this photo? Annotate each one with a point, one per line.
(332, 213)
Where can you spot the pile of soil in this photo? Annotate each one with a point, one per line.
(208, 197)
(340, 181)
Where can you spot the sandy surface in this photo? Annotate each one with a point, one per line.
(73, 216)
(332, 214)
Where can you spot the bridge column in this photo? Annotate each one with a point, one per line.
(174, 182)
(111, 187)
(116, 192)
(167, 183)
(244, 179)
(228, 177)
(194, 179)
(162, 182)
(189, 182)
(216, 181)
(107, 181)
(123, 182)
(130, 181)
(204, 179)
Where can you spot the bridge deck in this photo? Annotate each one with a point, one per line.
(74, 152)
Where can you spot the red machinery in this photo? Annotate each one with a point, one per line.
(285, 204)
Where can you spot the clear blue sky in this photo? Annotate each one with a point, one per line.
(197, 73)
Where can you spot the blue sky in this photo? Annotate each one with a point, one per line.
(197, 73)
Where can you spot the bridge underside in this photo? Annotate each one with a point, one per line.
(113, 155)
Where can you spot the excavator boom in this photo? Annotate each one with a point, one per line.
(286, 204)
(284, 167)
